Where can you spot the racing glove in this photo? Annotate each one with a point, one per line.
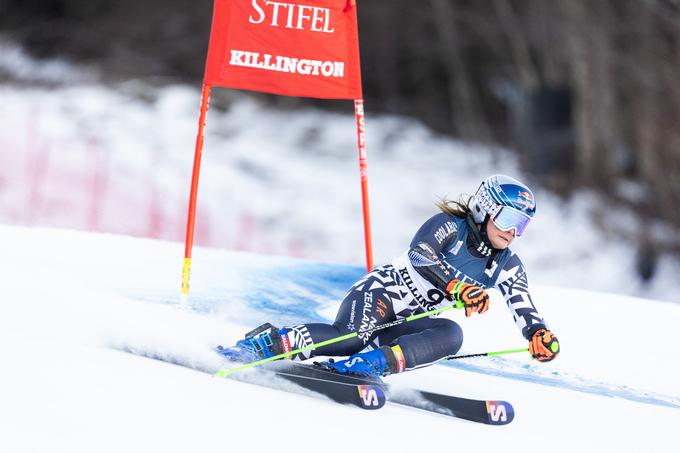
(473, 298)
(544, 346)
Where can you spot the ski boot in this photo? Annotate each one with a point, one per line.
(372, 364)
(261, 343)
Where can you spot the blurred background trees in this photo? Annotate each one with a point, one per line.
(586, 91)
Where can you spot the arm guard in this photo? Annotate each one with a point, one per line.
(427, 264)
(434, 236)
(514, 286)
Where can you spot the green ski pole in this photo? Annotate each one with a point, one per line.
(226, 372)
(487, 354)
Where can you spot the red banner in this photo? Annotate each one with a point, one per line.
(306, 48)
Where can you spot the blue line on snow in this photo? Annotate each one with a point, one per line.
(594, 388)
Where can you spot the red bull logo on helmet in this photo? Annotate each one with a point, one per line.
(525, 199)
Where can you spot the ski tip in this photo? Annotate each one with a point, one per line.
(371, 396)
(499, 412)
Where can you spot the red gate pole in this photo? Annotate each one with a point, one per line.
(186, 272)
(363, 170)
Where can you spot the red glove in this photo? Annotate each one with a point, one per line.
(473, 298)
(544, 346)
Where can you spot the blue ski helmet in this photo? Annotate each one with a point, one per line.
(509, 203)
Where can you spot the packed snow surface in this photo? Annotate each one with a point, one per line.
(82, 312)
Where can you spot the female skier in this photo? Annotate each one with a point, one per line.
(453, 258)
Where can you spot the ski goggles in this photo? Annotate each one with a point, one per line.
(508, 218)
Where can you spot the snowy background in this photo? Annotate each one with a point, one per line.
(119, 159)
(278, 184)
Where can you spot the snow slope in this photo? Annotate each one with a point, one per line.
(73, 302)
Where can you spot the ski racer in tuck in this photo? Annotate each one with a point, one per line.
(453, 258)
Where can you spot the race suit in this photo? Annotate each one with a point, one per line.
(446, 247)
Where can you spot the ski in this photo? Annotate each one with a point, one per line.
(279, 375)
(365, 394)
(358, 391)
(480, 411)
(489, 412)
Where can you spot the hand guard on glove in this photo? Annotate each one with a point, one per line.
(473, 298)
(544, 346)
